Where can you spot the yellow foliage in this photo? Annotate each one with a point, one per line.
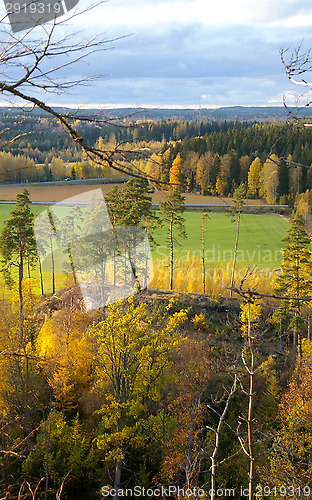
(307, 350)
(188, 277)
(64, 346)
(175, 171)
(133, 355)
(46, 341)
(29, 297)
(254, 310)
(199, 321)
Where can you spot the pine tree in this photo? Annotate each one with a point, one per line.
(172, 211)
(135, 203)
(18, 244)
(132, 207)
(295, 279)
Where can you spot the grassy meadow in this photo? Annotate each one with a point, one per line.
(259, 245)
(259, 240)
(6, 209)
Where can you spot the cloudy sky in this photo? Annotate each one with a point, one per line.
(182, 53)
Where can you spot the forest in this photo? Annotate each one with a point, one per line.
(121, 376)
(162, 394)
(180, 395)
(210, 158)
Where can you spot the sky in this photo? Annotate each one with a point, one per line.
(191, 53)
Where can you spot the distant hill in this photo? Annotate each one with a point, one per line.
(234, 113)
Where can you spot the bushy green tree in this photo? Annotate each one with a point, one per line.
(132, 353)
(18, 244)
(63, 452)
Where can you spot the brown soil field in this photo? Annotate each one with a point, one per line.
(54, 193)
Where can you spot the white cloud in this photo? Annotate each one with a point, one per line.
(138, 13)
(227, 50)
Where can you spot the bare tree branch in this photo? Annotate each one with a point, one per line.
(32, 68)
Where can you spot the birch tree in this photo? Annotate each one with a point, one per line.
(132, 353)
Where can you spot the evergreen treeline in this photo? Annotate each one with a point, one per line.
(245, 138)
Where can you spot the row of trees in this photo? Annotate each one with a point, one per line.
(128, 208)
(246, 139)
(213, 174)
(215, 163)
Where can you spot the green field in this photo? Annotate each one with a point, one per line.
(259, 241)
(6, 208)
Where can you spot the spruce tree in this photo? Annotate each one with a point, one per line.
(295, 279)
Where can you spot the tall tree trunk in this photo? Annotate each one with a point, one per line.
(280, 335)
(171, 253)
(251, 475)
(217, 441)
(71, 263)
(118, 468)
(22, 340)
(53, 267)
(41, 277)
(28, 266)
(46, 488)
(117, 478)
(235, 253)
(114, 273)
(188, 468)
(203, 259)
(20, 292)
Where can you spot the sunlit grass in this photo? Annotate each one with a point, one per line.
(188, 277)
(259, 240)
